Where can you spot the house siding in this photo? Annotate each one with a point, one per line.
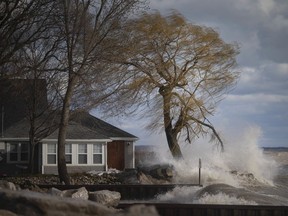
(13, 169)
(17, 168)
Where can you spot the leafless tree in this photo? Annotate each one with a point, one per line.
(29, 50)
(181, 71)
(21, 23)
(90, 32)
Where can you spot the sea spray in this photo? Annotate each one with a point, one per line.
(243, 161)
(194, 195)
(244, 155)
(242, 165)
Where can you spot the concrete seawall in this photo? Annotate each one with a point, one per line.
(170, 209)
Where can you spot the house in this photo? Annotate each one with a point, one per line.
(91, 143)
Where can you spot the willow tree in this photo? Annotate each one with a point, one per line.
(181, 70)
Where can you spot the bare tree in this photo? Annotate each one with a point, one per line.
(39, 92)
(30, 51)
(21, 23)
(181, 71)
(90, 30)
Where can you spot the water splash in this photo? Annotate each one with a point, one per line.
(243, 161)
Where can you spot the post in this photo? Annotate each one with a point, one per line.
(2, 121)
(199, 171)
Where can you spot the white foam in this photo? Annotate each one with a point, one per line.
(188, 195)
(222, 198)
(243, 164)
(242, 154)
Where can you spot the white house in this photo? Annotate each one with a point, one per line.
(91, 143)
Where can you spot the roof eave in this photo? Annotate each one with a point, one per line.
(14, 139)
(124, 138)
(78, 140)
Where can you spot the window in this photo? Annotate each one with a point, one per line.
(51, 153)
(68, 153)
(18, 152)
(13, 152)
(97, 154)
(82, 154)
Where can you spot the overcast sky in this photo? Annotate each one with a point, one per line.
(260, 98)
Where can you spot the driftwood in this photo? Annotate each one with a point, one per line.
(162, 171)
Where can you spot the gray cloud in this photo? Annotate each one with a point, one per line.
(262, 22)
(261, 28)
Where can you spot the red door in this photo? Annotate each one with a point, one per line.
(116, 155)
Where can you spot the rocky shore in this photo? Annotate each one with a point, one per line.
(25, 181)
(145, 175)
(21, 195)
(14, 202)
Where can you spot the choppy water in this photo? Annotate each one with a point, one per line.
(244, 174)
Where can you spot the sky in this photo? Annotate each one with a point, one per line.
(260, 98)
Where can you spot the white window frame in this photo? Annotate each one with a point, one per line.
(18, 152)
(98, 153)
(75, 153)
(69, 153)
(51, 153)
(82, 154)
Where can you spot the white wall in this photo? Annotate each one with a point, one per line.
(129, 155)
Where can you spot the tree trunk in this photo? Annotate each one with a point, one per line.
(32, 111)
(173, 143)
(62, 168)
(170, 136)
(32, 157)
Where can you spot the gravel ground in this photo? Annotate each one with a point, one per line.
(26, 182)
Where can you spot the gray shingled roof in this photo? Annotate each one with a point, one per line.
(101, 126)
(81, 126)
(18, 130)
(78, 131)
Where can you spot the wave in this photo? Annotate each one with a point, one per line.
(242, 174)
(219, 194)
(242, 156)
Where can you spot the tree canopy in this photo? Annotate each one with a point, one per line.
(181, 71)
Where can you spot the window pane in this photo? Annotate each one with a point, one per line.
(97, 148)
(13, 156)
(82, 159)
(24, 147)
(51, 148)
(68, 148)
(13, 147)
(82, 148)
(68, 159)
(97, 159)
(51, 159)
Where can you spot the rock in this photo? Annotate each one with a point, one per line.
(80, 193)
(6, 213)
(55, 192)
(147, 179)
(105, 197)
(144, 179)
(129, 177)
(7, 185)
(164, 171)
(140, 210)
(34, 203)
